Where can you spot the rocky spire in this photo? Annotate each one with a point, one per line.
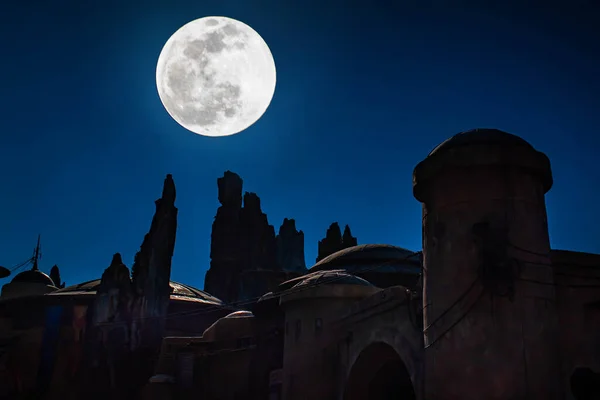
(347, 239)
(169, 193)
(161, 237)
(243, 244)
(258, 237)
(152, 263)
(116, 275)
(290, 247)
(230, 190)
(114, 292)
(334, 241)
(55, 276)
(221, 279)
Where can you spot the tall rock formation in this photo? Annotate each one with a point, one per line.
(55, 276)
(334, 241)
(225, 238)
(152, 267)
(258, 237)
(147, 293)
(113, 295)
(129, 312)
(221, 279)
(244, 254)
(290, 247)
(140, 304)
(347, 239)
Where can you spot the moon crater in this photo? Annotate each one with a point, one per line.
(216, 76)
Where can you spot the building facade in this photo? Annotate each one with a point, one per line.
(487, 310)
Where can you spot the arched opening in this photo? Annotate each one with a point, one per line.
(377, 374)
(585, 384)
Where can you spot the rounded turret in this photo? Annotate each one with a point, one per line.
(483, 200)
(28, 283)
(484, 149)
(312, 303)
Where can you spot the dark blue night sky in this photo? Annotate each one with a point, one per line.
(365, 90)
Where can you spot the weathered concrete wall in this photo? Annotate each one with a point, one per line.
(487, 346)
(577, 278)
(385, 318)
(224, 376)
(310, 353)
(306, 372)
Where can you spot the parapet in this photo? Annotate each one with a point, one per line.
(481, 148)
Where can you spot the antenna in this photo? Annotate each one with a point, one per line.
(36, 255)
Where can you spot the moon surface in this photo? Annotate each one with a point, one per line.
(216, 76)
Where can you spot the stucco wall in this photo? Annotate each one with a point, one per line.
(577, 277)
(382, 318)
(306, 373)
(310, 358)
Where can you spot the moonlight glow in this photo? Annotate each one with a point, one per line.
(215, 76)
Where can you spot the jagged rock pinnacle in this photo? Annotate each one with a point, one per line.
(334, 241)
(169, 193)
(116, 260)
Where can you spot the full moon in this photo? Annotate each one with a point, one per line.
(216, 76)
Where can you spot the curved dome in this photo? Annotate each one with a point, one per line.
(236, 325)
(331, 277)
(266, 296)
(323, 285)
(481, 136)
(368, 254)
(240, 314)
(33, 276)
(178, 291)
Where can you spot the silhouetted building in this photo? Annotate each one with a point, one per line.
(488, 311)
(496, 314)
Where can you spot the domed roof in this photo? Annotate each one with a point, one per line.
(267, 296)
(323, 285)
(480, 148)
(481, 136)
(331, 277)
(267, 303)
(240, 314)
(391, 259)
(238, 324)
(179, 291)
(33, 276)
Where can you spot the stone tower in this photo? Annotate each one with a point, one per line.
(488, 294)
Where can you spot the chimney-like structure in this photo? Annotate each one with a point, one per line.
(490, 330)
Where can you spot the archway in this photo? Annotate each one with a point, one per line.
(585, 384)
(377, 374)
